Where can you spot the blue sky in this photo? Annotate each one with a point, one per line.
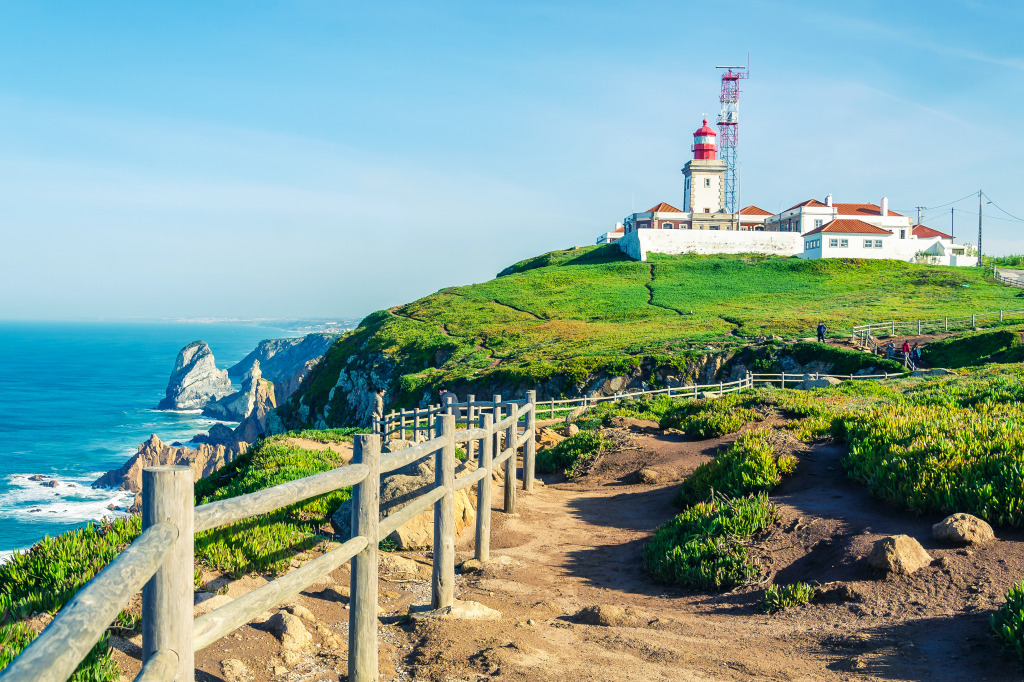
(257, 159)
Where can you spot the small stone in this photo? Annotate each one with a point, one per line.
(460, 610)
(291, 658)
(605, 615)
(233, 669)
(280, 670)
(471, 566)
(963, 529)
(900, 554)
(571, 430)
(531, 622)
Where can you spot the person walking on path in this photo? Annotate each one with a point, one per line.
(378, 406)
(906, 348)
(821, 332)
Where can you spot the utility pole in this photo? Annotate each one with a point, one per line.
(919, 209)
(979, 227)
(952, 223)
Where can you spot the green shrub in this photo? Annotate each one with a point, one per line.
(571, 454)
(777, 598)
(964, 350)
(1008, 622)
(747, 466)
(701, 547)
(710, 417)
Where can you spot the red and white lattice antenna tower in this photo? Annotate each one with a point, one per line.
(729, 129)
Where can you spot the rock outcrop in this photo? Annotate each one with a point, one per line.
(195, 380)
(204, 460)
(963, 529)
(285, 362)
(257, 395)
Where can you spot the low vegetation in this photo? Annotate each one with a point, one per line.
(710, 417)
(965, 350)
(777, 598)
(571, 455)
(749, 465)
(1008, 622)
(703, 547)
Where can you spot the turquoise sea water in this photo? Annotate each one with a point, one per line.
(77, 399)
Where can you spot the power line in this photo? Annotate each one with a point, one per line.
(1001, 209)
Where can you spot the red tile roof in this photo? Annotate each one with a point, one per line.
(926, 232)
(618, 229)
(846, 209)
(754, 210)
(809, 202)
(663, 208)
(849, 226)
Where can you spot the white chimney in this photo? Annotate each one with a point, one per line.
(885, 206)
(828, 200)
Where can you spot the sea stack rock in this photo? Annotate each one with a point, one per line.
(195, 380)
(257, 395)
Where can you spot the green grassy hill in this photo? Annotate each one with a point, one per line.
(572, 313)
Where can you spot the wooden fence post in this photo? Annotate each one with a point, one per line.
(1000, 315)
(362, 619)
(973, 321)
(510, 463)
(894, 328)
(470, 444)
(919, 327)
(483, 491)
(783, 379)
(444, 515)
(530, 451)
(167, 495)
(402, 423)
(947, 324)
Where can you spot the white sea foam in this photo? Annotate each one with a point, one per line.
(71, 501)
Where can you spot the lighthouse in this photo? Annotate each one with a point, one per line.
(705, 144)
(704, 177)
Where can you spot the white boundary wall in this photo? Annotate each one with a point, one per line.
(639, 243)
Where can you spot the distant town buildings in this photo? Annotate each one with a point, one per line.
(810, 229)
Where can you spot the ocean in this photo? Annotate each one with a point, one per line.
(77, 399)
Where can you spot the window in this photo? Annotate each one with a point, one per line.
(713, 227)
(812, 244)
(817, 223)
(833, 243)
(867, 243)
(666, 226)
(878, 243)
(707, 210)
(958, 252)
(843, 243)
(903, 234)
(707, 182)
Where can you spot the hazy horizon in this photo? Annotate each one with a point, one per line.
(313, 159)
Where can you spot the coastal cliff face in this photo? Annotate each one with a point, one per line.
(204, 460)
(195, 380)
(257, 394)
(285, 362)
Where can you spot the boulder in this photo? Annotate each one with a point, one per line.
(195, 380)
(300, 611)
(649, 476)
(204, 460)
(899, 554)
(401, 487)
(290, 630)
(571, 430)
(548, 438)
(963, 529)
(810, 382)
(606, 615)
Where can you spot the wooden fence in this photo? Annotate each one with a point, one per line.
(160, 561)
(865, 332)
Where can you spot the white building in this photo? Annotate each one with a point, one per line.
(812, 214)
(854, 238)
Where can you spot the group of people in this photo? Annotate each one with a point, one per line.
(908, 351)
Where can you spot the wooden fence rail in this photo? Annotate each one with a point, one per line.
(864, 332)
(160, 561)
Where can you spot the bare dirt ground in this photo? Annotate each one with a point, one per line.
(575, 545)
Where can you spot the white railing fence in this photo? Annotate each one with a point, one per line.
(865, 332)
(160, 561)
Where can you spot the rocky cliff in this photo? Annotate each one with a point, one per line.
(204, 460)
(257, 394)
(285, 362)
(195, 380)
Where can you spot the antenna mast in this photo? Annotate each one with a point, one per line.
(728, 128)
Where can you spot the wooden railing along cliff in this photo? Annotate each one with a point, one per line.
(160, 560)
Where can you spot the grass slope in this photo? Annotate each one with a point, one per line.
(570, 313)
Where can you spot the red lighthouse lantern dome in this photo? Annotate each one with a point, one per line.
(705, 144)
